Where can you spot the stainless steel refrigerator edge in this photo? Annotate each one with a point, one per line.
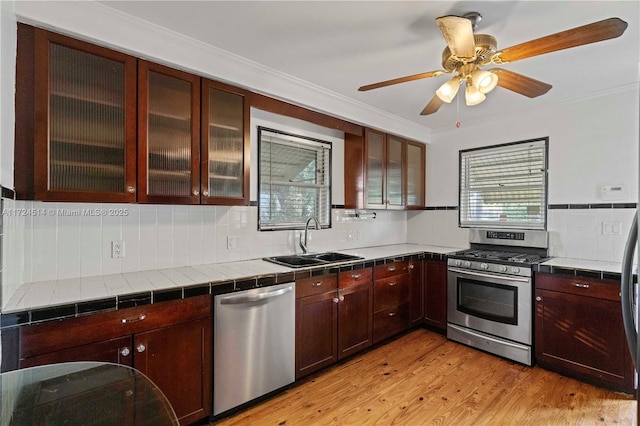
(253, 344)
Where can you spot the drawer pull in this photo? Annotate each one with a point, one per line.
(356, 276)
(412, 266)
(538, 299)
(392, 314)
(317, 284)
(391, 268)
(579, 285)
(136, 319)
(392, 284)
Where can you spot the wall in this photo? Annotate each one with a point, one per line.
(592, 142)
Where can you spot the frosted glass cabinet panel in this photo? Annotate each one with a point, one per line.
(395, 172)
(84, 99)
(375, 143)
(415, 165)
(168, 135)
(225, 147)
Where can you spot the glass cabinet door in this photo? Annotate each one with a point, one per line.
(168, 135)
(375, 163)
(415, 154)
(225, 148)
(395, 188)
(85, 121)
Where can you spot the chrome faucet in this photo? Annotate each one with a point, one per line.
(303, 246)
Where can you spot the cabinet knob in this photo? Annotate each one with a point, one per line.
(392, 314)
(136, 319)
(125, 351)
(579, 285)
(538, 299)
(336, 300)
(317, 284)
(141, 348)
(392, 284)
(412, 266)
(196, 192)
(131, 189)
(391, 268)
(356, 276)
(341, 298)
(205, 193)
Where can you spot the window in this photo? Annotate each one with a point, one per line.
(295, 180)
(504, 186)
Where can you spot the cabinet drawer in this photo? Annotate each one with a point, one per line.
(316, 285)
(390, 292)
(359, 276)
(50, 336)
(388, 322)
(390, 269)
(590, 287)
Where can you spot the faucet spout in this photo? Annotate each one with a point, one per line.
(303, 245)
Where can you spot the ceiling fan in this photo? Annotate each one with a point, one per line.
(466, 53)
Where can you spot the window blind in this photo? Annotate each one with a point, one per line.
(295, 180)
(504, 186)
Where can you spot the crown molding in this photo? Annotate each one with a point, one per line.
(95, 22)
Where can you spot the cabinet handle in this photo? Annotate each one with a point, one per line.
(356, 276)
(336, 300)
(130, 320)
(392, 314)
(391, 268)
(196, 192)
(205, 193)
(317, 284)
(125, 351)
(412, 266)
(392, 284)
(141, 348)
(341, 298)
(131, 189)
(579, 285)
(538, 299)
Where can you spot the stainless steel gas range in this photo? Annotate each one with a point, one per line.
(490, 292)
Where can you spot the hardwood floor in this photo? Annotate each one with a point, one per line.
(422, 378)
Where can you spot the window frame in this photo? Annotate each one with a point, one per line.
(328, 171)
(505, 224)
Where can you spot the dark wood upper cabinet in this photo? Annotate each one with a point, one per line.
(76, 118)
(225, 145)
(168, 135)
(383, 171)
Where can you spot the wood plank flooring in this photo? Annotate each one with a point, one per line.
(424, 379)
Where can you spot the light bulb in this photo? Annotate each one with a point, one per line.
(485, 81)
(473, 96)
(448, 90)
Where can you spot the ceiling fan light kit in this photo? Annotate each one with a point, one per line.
(467, 52)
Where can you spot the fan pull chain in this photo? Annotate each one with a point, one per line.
(458, 112)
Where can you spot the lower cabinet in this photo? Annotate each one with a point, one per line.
(435, 293)
(333, 318)
(390, 300)
(579, 331)
(170, 342)
(416, 291)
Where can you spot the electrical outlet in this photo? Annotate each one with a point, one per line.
(611, 228)
(117, 249)
(232, 243)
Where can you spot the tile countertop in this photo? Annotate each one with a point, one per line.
(584, 265)
(47, 294)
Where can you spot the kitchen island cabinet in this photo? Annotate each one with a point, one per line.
(579, 331)
(170, 342)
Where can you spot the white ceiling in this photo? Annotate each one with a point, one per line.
(341, 45)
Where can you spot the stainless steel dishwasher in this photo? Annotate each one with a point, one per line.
(254, 344)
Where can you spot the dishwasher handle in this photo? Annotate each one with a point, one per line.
(238, 300)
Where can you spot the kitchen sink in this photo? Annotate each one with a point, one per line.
(314, 259)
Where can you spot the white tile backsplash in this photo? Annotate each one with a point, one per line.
(50, 247)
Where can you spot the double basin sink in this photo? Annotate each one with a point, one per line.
(316, 259)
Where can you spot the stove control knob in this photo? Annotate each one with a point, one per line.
(484, 266)
(457, 262)
(467, 264)
(503, 268)
(515, 270)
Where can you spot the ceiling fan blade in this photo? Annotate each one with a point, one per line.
(433, 106)
(401, 80)
(586, 34)
(458, 33)
(521, 84)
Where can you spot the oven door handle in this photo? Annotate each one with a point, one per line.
(484, 275)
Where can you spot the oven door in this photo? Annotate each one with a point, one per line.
(495, 304)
